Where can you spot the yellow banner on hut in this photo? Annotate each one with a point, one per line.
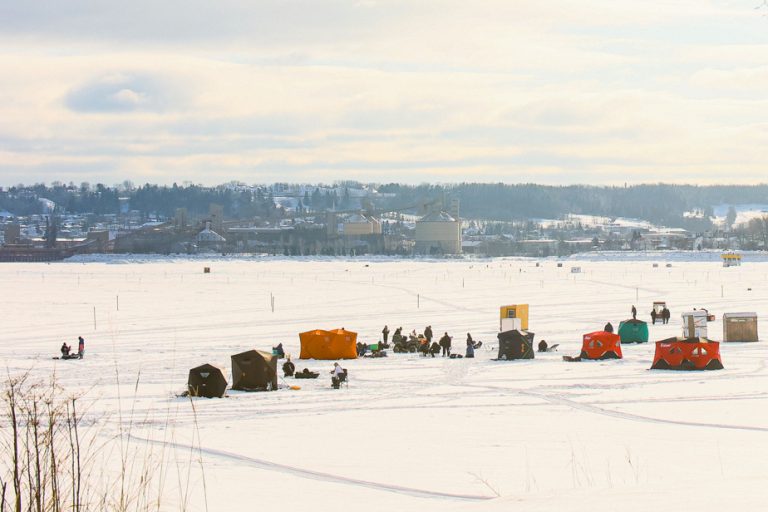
(335, 344)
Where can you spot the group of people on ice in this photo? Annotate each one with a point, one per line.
(66, 350)
(423, 342)
(662, 315)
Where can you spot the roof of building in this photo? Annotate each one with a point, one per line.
(437, 217)
(356, 218)
(208, 235)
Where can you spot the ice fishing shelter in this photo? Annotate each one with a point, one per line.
(508, 315)
(695, 324)
(254, 370)
(601, 345)
(731, 259)
(740, 327)
(206, 381)
(695, 353)
(335, 344)
(515, 344)
(633, 331)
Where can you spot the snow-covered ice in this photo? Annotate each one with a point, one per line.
(411, 433)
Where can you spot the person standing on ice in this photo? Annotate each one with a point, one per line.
(634, 312)
(665, 315)
(653, 316)
(385, 333)
(80, 347)
(428, 334)
(470, 347)
(445, 343)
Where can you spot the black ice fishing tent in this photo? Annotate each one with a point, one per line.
(515, 344)
(206, 381)
(254, 370)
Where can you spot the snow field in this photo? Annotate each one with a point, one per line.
(409, 432)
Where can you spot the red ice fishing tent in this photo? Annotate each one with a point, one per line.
(687, 354)
(601, 345)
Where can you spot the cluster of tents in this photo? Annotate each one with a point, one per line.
(255, 370)
(252, 370)
(678, 353)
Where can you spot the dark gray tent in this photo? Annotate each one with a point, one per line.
(515, 344)
(254, 370)
(206, 381)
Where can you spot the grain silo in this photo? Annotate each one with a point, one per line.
(438, 233)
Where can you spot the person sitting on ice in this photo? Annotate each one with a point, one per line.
(543, 346)
(608, 327)
(65, 350)
(424, 346)
(338, 375)
(278, 351)
(288, 367)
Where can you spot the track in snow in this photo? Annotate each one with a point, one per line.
(320, 476)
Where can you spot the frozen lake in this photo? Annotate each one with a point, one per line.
(410, 433)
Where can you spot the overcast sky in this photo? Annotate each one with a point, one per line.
(546, 91)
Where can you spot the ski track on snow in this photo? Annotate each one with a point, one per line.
(318, 475)
(561, 400)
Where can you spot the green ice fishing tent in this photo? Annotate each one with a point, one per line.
(633, 331)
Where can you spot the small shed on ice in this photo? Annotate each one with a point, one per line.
(740, 327)
(514, 316)
(731, 259)
(695, 324)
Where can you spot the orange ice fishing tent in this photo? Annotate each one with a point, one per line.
(601, 345)
(336, 344)
(687, 354)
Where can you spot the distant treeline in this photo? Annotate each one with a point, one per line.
(661, 204)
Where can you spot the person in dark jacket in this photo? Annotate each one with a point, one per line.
(279, 351)
(428, 333)
(470, 347)
(80, 347)
(288, 367)
(665, 314)
(608, 327)
(653, 316)
(385, 333)
(634, 312)
(543, 346)
(445, 343)
(65, 350)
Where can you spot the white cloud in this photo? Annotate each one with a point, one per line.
(592, 91)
